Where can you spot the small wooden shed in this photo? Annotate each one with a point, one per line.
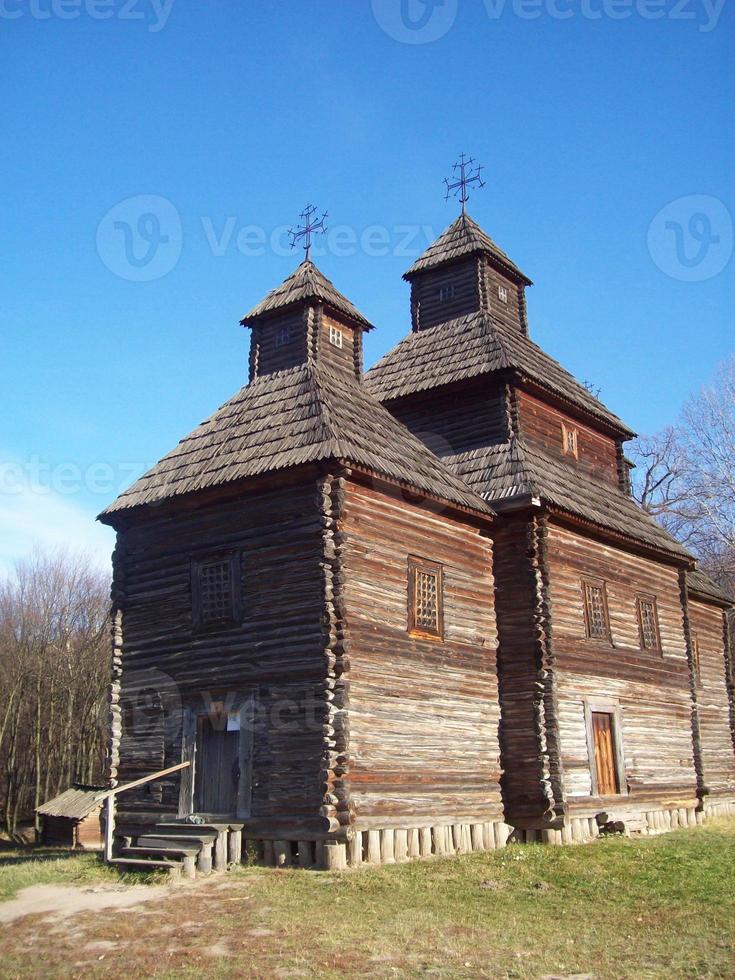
(73, 819)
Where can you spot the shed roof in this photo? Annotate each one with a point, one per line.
(306, 414)
(75, 803)
(515, 469)
(463, 237)
(468, 347)
(306, 282)
(701, 584)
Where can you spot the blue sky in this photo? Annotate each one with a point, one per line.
(604, 126)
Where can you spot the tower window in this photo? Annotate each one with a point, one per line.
(648, 622)
(569, 444)
(425, 597)
(335, 336)
(502, 294)
(596, 617)
(283, 336)
(446, 292)
(215, 589)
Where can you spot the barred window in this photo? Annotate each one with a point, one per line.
(335, 336)
(215, 586)
(648, 622)
(446, 292)
(502, 294)
(569, 441)
(425, 599)
(283, 336)
(596, 616)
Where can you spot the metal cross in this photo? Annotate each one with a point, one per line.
(466, 175)
(307, 228)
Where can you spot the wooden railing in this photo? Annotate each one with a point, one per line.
(109, 797)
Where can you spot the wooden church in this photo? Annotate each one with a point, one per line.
(367, 618)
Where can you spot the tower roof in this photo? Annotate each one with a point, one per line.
(307, 283)
(463, 237)
(302, 415)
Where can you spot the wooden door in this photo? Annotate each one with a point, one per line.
(607, 770)
(217, 769)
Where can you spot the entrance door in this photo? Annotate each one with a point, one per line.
(217, 775)
(607, 772)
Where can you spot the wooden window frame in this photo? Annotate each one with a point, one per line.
(415, 566)
(602, 585)
(283, 336)
(502, 294)
(566, 432)
(235, 617)
(606, 707)
(446, 292)
(336, 337)
(640, 598)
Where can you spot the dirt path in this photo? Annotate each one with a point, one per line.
(62, 901)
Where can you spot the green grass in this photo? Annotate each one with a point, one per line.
(654, 907)
(26, 866)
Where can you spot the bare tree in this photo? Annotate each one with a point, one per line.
(54, 667)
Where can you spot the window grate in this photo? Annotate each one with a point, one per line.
(648, 623)
(596, 611)
(425, 597)
(216, 591)
(569, 441)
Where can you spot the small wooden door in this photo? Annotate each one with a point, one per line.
(605, 766)
(217, 770)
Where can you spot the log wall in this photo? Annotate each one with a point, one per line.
(511, 311)
(277, 651)
(423, 713)
(649, 688)
(713, 706)
(541, 426)
(429, 309)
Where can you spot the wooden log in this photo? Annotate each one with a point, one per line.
(425, 841)
(373, 847)
(387, 846)
(488, 836)
(204, 859)
(234, 847)
(220, 851)
(354, 850)
(440, 840)
(578, 832)
(477, 837)
(414, 844)
(400, 842)
(269, 858)
(305, 852)
(566, 832)
(592, 828)
(190, 869)
(335, 856)
(502, 833)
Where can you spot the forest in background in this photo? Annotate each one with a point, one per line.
(54, 606)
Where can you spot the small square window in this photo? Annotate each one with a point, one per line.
(425, 597)
(502, 294)
(215, 587)
(597, 619)
(446, 292)
(569, 442)
(335, 336)
(648, 622)
(283, 336)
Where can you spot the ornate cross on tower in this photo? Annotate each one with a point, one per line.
(307, 229)
(466, 175)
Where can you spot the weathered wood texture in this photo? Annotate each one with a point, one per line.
(540, 425)
(279, 342)
(277, 650)
(650, 688)
(532, 789)
(427, 304)
(511, 310)
(344, 357)
(713, 707)
(457, 419)
(423, 712)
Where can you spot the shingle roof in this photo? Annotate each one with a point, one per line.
(306, 282)
(702, 584)
(306, 414)
(463, 237)
(470, 346)
(76, 803)
(514, 469)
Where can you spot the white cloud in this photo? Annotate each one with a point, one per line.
(35, 516)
